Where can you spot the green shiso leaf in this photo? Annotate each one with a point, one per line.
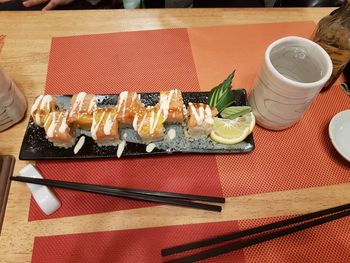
(235, 111)
(220, 95)
(224, 101)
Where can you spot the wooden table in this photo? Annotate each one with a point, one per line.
(25, 58)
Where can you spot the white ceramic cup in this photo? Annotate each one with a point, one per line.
(293, 72)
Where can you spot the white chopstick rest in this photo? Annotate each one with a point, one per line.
(43, 196)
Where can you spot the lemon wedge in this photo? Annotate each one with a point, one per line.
(234, 131)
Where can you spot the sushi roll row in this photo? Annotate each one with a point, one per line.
(104, 123)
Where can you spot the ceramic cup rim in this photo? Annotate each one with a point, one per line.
(296, 39)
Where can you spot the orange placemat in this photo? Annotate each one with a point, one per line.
(299, 157)
(191, 59)
(325, 243)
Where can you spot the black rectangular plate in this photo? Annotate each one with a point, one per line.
(36, 147)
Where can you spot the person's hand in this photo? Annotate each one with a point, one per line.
(51, 3)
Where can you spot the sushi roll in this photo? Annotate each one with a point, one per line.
(148, 123)
(200, 119)
(43, 105)
(128, 104)
(104, 129)
(171, 102)
(81, 110)
(57, 130)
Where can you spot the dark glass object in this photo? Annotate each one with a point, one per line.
(308, 3)
(333, 34)
(228, 3)
(347, 73)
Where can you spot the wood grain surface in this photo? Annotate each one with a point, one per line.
(25, 57)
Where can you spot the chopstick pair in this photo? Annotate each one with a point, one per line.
(185, 200)
(288, 226)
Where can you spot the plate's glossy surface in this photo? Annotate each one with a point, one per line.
(339, 132)
(36, 147)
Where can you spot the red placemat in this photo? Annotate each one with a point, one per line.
(299, 157)
(183, 174)
(326, 243)
(110, 63)
(329, 242)
(142, 61)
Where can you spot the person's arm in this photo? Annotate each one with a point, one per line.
(51, 3)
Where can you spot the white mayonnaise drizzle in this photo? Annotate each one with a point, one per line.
(141, 124)
(94, 126)
(37, 118)
(80, 98)
(171, 134)
(165, 100)
(134, 97)
(107, 128)
(150, 147)
(121, 147)
(185, 110)
(202, 114)
(199, 116)
(78, 102)
(64, 125)
(154, 122)
(79, 144)
(48, 118)
(92, 104)
(41, 103)
(134, 122)
(45, 103)
(36, 104)
(151, 122)
(208, 115)
(51, 129)
(123, 96)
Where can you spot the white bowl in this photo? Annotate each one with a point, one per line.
(339, 132)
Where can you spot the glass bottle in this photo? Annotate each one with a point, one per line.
(131, 4)
(333, 34)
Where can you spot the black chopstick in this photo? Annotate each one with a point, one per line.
(145, 195)
(203, 198)
(250, 242)
(252, 231)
